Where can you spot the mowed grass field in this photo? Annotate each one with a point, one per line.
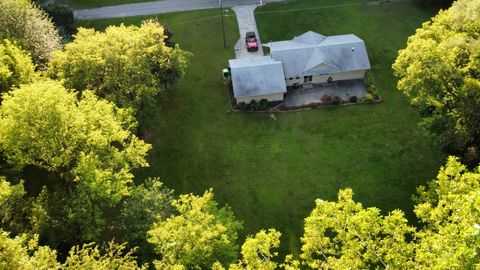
(270, 172)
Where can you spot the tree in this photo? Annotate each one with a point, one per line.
(91, 256)
(450, 212)
(256, 251)
(62, 18)
(148, 202)
(440, 71)
(23, 253)
(344, 235)
(19, 213)
(200, 235)
(123, 64)
(23, 21)
(16, 66)
(88, 143)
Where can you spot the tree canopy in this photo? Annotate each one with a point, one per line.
(148, 203)
(87, 142)
(16, 66)
(91, 256)
(122, 64)
(23, 21)
(200, 235)
(257, 253)
(440, 71)
(449, 209)
(23, 253)
(343, 234)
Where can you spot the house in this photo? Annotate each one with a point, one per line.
(257, 78)
(313, 58)
(301, 62)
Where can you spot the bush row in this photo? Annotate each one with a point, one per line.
(253, 105)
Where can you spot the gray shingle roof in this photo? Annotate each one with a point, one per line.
(257, 76)
(314, 54)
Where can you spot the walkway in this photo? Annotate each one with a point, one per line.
(158, 7)
(246, 23)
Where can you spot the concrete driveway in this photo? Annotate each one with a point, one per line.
(158, 7)
(246, 23)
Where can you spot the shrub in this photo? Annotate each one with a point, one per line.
(263, 104)
(353, 99)
(253, 106)
(336, 100)
(368, 98)
(242, 106)
(23, 21)
(326, 99)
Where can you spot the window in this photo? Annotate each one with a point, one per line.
(297, 78)
(307, 79)
(290, 78)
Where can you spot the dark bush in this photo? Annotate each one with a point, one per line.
(168, 40)
(253, 105)
(326, 99)
(353, 99)
(336, 100)
(263, 104)
(242, 106)
(62, 17)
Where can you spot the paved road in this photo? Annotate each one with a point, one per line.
(158, 7)
(246, 23)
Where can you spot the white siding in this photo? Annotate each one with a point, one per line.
(270, 97)
(358, 74)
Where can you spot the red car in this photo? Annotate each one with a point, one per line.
(251, 40)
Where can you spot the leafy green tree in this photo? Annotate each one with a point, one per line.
(148, 202)
(200, 235)
(62, 18)
(450, 212)
(16, 66)
(440, 71)
(257, 253)
(19, 213)
(11, 200)
(87, 142)
(23, 21)
(91, 256)
(23, 253)
(344, 235)
(122, 64)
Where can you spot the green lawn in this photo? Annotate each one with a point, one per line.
(268, 171)
(79, 4)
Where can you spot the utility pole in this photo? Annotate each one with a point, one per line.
(223, 25)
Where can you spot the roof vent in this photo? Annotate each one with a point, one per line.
(353, 48)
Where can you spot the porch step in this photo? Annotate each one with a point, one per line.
(307, 85)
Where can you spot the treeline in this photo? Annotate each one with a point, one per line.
(71, 116)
